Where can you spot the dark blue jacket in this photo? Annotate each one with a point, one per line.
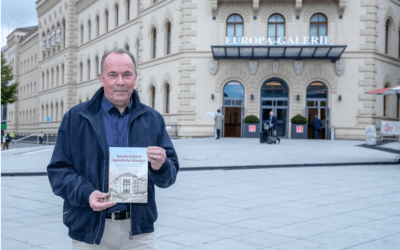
(316, 123)
(274, 121)
(79, 166)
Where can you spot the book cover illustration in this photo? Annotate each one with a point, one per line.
(128, 175)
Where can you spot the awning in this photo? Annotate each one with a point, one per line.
(295, 52)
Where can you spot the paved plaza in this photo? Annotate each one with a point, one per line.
(325, 208)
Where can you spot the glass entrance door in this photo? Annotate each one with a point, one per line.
(317, 108)
(280, 108)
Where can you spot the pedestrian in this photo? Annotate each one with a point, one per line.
(5, 139)
(218, 123)
(272, 125)
(78, 170)
(316, 124)
(41, 135)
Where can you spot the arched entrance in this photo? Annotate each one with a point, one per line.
(275, 97)
(317, 105)
(232, 109)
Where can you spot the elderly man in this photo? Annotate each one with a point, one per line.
(78, 171)
(272, 123)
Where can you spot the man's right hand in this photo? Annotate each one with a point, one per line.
(98, 201)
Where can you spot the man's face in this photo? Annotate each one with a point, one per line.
(271, 113)
(119, 79)
(5, 131)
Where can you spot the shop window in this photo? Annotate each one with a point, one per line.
(318, 25)
(234, 26)
(276, 27)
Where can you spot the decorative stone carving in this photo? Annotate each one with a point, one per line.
(253, 67)
(53, 37)
(275, 67)
(213, 67)
(339, 67)
(58, 35)
(298, 67)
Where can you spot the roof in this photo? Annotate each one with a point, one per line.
(30, 30)
(295, 52)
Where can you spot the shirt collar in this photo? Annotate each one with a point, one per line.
(106, 105)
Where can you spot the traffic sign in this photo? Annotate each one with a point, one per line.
(48, 119)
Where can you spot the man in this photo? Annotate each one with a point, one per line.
(78, 171)
(5, 139)
(317, 125)
(41, 135)
(218, 123)
(272, 122)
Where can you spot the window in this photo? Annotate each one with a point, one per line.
(116, 15)
(276, 28)
(89, 30)
(52, 78)
(64, 32)
(88, 69)
(388, 24)
(62, 108)
(167, 98)
(168, 38)
(96, 65)
(153, 96)
(155, 1)
(318, 25)
(154, 33)
(399, 43)
(137, 50)
(106, 21)
(97, 26)
(62, 74)
(234, 26)
(81, 34)
(56, 117)
(385, 102)
(48, 80)
(127, 9)
(127, 47)
(57, 76)
(81, 72)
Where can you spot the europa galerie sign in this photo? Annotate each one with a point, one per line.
(261, 40)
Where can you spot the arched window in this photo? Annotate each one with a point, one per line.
(47, 112)
(234, 26)
(127, 9)
(276, 27)
(137, 50)
(34, 116)
(82, 34)
(51, 111)
(318, 25)
(116, 15)
(81, 72)
(167, 98)
(62, 109)
(96, 65)
(34, 89)
(399, 42)
(386, 102)
(52, 78)
(168, 28)
(97, 26)
(48, 80)
(56, 117)
(43, 81)
(64, 32)
(88, 69)
(388, 26)
(106, 21)
(152, 97)
(62, 74)
(57, 77)
(154, 42)
(89, 30)
(127, 47)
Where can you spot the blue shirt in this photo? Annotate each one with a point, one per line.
(116, 126)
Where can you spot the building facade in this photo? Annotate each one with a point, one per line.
(308, 57)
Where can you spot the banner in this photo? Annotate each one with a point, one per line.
(390, 128)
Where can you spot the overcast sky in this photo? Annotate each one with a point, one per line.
(16, 14)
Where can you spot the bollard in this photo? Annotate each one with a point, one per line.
(333, 133)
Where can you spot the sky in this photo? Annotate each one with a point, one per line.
(16, 14)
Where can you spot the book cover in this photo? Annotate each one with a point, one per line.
(128, 175)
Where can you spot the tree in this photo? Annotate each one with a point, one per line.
(8, 93)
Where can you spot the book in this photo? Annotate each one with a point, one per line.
(128, 175)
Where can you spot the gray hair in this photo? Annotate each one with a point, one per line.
(117, 51)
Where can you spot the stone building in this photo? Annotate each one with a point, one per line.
(308, 57)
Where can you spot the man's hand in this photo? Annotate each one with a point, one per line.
(156, 157)
(98, 201)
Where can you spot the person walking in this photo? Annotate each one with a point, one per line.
(316, 124)
(5, 139)
(41, 135)
(78, 171)
(272, 122)
(218, 122)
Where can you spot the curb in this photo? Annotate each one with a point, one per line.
(242, 167)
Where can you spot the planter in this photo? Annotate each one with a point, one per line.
(252, 130)
(299, 131)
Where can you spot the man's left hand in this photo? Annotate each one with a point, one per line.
(156, 157)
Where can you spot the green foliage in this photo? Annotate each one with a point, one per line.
(8, 93)
(251, 119)
(298, 119)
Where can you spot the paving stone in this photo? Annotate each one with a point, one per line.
(191, 238)
(228, 244)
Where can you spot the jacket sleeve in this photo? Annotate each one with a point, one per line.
(64, 180)
(166, 175)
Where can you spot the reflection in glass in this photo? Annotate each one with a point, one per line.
(274, 88)
(317, 90)
(233, 90)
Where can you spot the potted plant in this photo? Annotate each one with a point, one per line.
(299, 127)
(252, 126)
